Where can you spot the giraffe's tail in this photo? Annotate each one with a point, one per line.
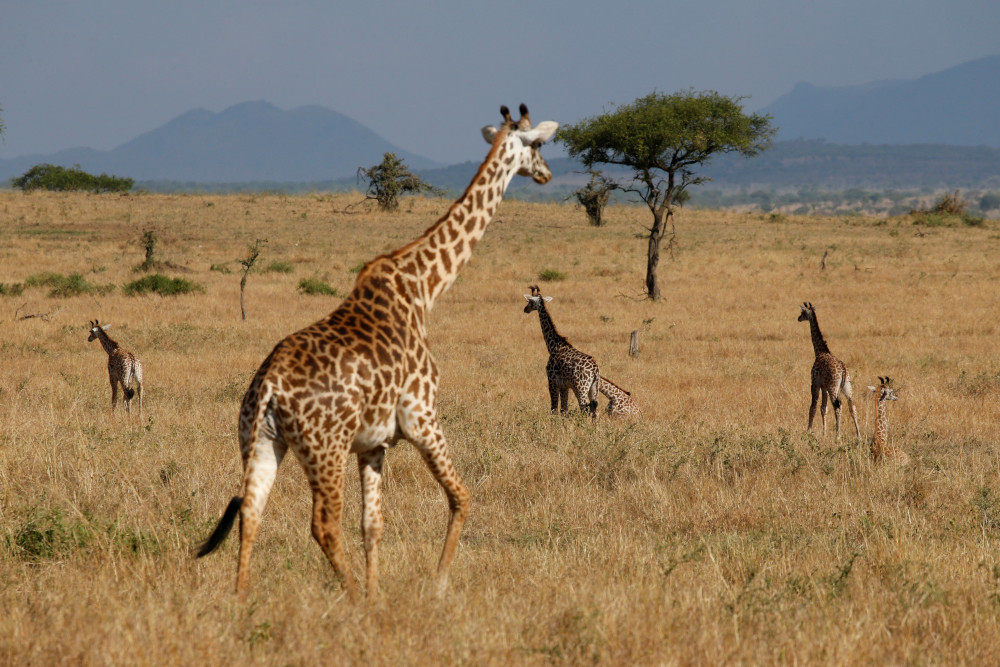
(129, 393)
(221, 531)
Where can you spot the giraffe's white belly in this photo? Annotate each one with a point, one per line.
(384, 433)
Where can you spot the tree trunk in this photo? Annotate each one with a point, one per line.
(653, 253)
(243, 285)
(633, 344)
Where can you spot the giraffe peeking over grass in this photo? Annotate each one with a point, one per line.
(363, 378)
(620, 402)
(829, 376)
(567, 368)
(882, 451)
(124, 368)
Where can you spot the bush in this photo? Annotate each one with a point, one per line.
(11, 289)
(71, 285)
(162, 285)
(315, 286)
(548, 275)
(948, 211)
(278, 267)
(53, 177)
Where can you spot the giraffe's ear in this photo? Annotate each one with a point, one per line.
(872, 389)
(547, 299)
(541, 133)
(105, 327)
(527, 297)
(489, 134)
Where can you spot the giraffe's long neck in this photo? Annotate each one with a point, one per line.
(819, 344)
(553, 340)
(109, 345)
(439, 254)
(881, 437)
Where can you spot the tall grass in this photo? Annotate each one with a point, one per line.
(714, 531)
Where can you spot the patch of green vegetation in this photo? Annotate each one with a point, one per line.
(11, 289)
(221, 268)
(162, 285)
(549, 275)
(48, 534)
(63, 286)
(315, 286)
(356, 268)
(278, 267)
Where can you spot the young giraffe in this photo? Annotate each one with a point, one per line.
(567, 368)
(829, 376)
(123, 368)
(620, 403)
(363, 378)
(881, 449)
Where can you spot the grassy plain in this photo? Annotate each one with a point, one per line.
(714, 531)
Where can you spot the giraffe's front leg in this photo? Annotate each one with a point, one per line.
(822, 410)
(554, 396)
(370, 470)
(114, 395)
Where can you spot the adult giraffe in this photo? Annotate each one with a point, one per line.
(363, 377)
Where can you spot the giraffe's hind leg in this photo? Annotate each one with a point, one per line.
(822, 409)
(326, 478)
(812, 406)
(261, 467)
(848, 393)
(370, 470)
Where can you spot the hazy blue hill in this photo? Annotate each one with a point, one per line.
(956, 106)
(253, 141)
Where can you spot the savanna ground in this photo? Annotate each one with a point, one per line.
(716, 530)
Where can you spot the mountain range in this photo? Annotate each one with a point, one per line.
(822, 128)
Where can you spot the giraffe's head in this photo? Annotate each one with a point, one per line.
(523, 142)
(884, 391)
(808, 312)
(535, 299)
(94, 329)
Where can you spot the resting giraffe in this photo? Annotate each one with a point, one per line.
(123, 368)
(363, 378)
(881, 449)
(829, 375)
(567, 368)
(620, 402)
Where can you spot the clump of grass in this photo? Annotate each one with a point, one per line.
(550, 275)
(278, 267)
(11, 289)
(315, 286)
(48, 535)
(162, 285)
(64, 286)
(356, 268)
(221, 268)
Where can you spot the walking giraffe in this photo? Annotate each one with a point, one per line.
(567, 368)
(123, 368)
(881, 449)
(620, 402)
(829, 376)
(363, 378)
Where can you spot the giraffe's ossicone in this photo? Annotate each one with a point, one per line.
(362, 378)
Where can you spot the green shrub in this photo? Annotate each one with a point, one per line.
(71, 285)
(11, 289)
(221, 268)
(162, 285)
(53, 177)
(549, 275)
(48, 535)
(315, 286)
(278, 267)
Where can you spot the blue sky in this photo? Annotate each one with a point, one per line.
(427, 75)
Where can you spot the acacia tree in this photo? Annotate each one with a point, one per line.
(391, 178)
(663, 138)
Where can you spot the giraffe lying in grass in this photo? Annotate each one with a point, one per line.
(124, 368)
(620, 402)
(882, 451)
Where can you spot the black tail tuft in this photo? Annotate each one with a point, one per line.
(593, 407)
(129, 393)
(836, 403)
(221, 530)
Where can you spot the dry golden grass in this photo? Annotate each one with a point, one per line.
(716, 530)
